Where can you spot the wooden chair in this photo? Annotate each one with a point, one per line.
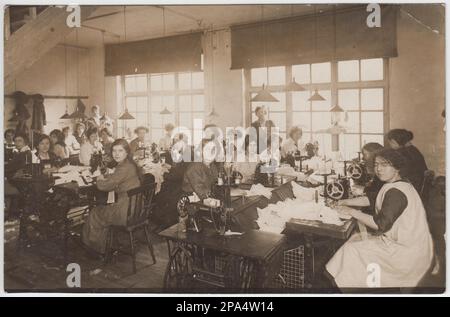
(139, 208)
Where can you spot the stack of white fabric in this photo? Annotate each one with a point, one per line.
(260, 190)
(273, 218)
(290, 171)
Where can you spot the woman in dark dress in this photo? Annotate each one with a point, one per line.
(400, 139)
(125, 177)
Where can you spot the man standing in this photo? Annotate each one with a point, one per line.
(94, 121)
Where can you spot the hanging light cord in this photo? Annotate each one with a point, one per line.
(124, 24)
(212, 69)
(264, 44)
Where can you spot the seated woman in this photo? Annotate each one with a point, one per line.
(201, 176)
(373, 184)
(248, 167)
(139, 141)
(291, 145)
(8, 144)
(91, 146)
(402, 247)
(400, 139)
(79, 133)
(59, 147)
(107, 139)
(126, 176)
(21, 155)
(71, 142)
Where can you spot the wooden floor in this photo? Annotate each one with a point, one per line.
(41, 267)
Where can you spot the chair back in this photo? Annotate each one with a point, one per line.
(139, 204)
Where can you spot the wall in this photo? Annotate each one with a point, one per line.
(47, 77)
(224, 87)
(417, 89)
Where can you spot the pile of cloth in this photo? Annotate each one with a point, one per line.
(70, 173)
(273, 218)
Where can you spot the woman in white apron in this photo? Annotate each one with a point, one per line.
(401, 250)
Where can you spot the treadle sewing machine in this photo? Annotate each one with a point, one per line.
(340, 188)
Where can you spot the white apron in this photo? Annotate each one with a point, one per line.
(403, 254)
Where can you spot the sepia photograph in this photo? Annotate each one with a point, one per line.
(213, 148)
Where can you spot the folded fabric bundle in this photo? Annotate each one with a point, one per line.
(303, 193)
(260, 190)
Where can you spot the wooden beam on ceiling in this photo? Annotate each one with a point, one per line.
(36, 38)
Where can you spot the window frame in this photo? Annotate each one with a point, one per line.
(175, 92)
(334, 86)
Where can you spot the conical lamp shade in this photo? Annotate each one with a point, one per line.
(295, 86)
(165, 111)
(213, 113)
(65, 115)
(264, 96)
(126, 115)
(336, 109)
(316, 97)
(105, 117)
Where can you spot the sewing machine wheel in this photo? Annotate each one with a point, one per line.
(355, 171)
(182, 205)
(335, 190)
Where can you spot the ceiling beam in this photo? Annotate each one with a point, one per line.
(36, 38)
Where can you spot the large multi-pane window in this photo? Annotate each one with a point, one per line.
(357, 86)
(146, 96)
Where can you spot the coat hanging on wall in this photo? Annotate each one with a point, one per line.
(38, 120)
(21, 114)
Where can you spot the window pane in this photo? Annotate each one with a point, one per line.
(279, 118)
(372, 122)
(157, 103)
(321, 73)
(198, 103)
(156, 120)
(186, 120)
(277, 75)
(259, 76)
(184, 103)
(372, 99)
(324, 140)
(184, 81)
(141, 120)
(302, 119)
(280, 105)
(141, 83)
(168, 82)
(130, 84)
(324, 105)
(157, 134)
(198, 115)
(350, 146)
(155, 83)
(300, 101)
(348, 99)
(306, 138)
(320, 121)
(197, 81)
(141, 104)
(301, 73)
(169, 102)
(352, 123)
(372, 69)
(131, 104)
(366, 138)
(348, 71)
